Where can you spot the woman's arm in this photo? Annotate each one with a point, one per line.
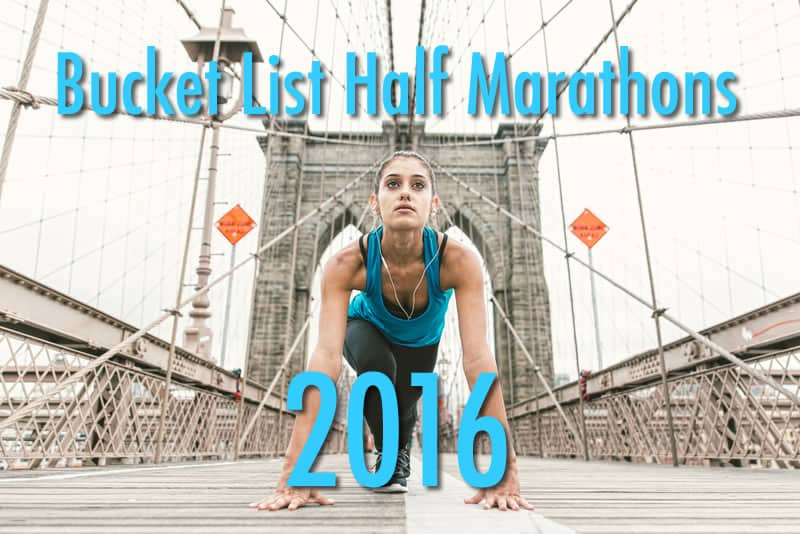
(327, 358)
(467, 280)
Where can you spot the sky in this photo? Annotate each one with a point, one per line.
(97, 207)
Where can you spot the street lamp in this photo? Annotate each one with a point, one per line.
(233, 43)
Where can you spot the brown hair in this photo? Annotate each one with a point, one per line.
(405, 154)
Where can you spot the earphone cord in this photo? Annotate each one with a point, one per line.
(394, 287)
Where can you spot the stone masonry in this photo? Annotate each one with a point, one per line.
(303, 173)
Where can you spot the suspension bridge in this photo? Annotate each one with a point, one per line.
(651, 378)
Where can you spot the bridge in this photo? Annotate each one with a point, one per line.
(649, 351)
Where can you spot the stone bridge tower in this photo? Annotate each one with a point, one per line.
(303, 173)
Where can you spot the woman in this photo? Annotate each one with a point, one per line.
(406, 273)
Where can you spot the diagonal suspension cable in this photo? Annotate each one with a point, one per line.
(28, 408)
(482, 23)
(311, 50)
(512, 330)
(281, 370)
(660, 311)
(603, 39)
(189, 13)
(778, 114)
(541, 27)
(511, 55)
(536, 369)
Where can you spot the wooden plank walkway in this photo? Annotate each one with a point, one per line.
(613, 497)
(570, 496)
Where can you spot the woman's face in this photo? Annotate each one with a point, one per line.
(405, 194)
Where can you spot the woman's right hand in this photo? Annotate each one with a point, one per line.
(337, 284)
(291, 498)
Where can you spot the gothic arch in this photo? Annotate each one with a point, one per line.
(317, 171)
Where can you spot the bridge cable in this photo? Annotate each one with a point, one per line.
(320, 189)
(656, 316)
(541, 27)
(464, 51)
(392, 68)
(189, 14)
(34, 101)
(178, 298)
(13, 120)
(166, 395)
(538, 371)
(299, 183)
(311, 49)
(412, 109)
(108, 354)
(280, 372)
(246, 363)
(563, 87)
(615, 23)
(777, 114)
(530, 254)
(567, 254)
(528, 245)
(506, 273)
(656, 311)
(272, 179)
(508, 57)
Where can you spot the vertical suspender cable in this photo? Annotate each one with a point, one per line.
(656, 312)
(412, 108)
(290, 302)
(165, 396)
(179, 297)
(526, 244)
(297, 210)
(391, 68)
(237, 443)
(582, 418)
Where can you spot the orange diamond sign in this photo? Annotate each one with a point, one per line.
(588, 228)
(235, 224)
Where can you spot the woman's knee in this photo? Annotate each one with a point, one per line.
(366, 349)
(381, 362)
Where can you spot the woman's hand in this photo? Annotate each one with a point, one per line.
(291, 498)
(504, 495)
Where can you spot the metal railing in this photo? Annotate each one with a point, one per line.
(721, 416)
(112, 414)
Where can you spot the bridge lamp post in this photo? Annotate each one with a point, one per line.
(227, 46)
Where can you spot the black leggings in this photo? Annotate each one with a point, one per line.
(367, 349)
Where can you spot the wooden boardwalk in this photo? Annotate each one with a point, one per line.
(570, 496)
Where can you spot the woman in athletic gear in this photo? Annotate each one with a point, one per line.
(406, 273)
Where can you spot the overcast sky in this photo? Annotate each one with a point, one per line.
(97, 207)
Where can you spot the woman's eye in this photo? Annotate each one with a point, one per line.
(391, 184)
(419, 185)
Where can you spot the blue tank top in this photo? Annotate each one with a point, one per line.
(419, 331)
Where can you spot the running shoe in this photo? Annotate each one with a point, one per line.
(399, 481)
